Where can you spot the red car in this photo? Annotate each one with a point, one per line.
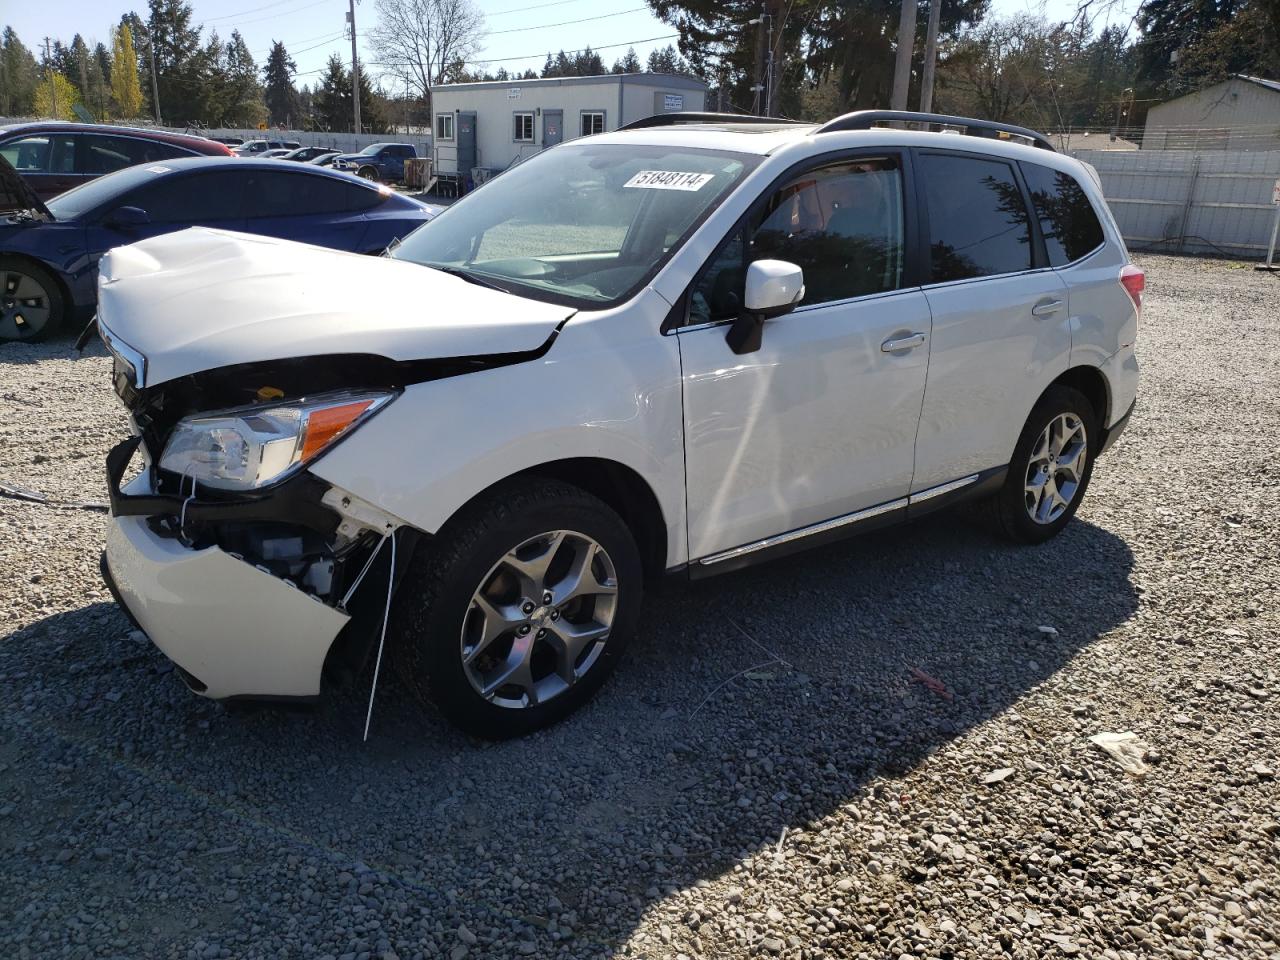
(53, 156)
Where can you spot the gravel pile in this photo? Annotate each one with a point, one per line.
(881, 749)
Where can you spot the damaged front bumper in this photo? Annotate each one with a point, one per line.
(237, 614)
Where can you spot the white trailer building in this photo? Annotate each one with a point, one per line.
(483, 128)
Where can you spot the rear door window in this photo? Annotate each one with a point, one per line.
(978, 222)
(100, 153)
(286, 194)
(1067, 218)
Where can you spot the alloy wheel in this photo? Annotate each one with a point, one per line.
(24, 306)
(1056, 468)
(539, 620)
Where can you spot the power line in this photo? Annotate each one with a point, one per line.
(564, 23)
(536, 6)
(537, 56)
(241, 13)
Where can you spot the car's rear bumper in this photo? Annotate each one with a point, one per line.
(234, 630)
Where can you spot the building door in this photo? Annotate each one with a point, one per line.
(466, 133)
(552, 127)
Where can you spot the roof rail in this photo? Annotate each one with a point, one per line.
(866, 119)
(671, 119)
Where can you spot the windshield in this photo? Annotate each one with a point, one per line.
(370, 150)
(89, 196)
(580, 225)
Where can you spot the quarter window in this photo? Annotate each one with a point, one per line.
(978, 223)
(523, 128)
(592, 122)
(444, 126)
(1067, 220)
(841, 224)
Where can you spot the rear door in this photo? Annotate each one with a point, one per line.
(297, 204)
(1001, 331)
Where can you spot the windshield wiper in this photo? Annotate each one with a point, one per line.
(468, 276)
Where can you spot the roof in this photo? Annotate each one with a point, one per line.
(190, 141)
(1267, 84)
(635, 79)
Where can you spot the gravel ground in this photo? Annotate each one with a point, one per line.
(765, 776)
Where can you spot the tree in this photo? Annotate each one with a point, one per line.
(1004, 70)
(333, 97)
(587, 63)
(55, 96)
(18, 75)
(425, 42)
(244, 99)
(283, 105)
(630, 63)
(125, 89)
(666, 60)
(1188, 45)
(181, 61)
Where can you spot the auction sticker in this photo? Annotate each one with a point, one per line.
(669, 180)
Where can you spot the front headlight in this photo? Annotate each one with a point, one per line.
(249, 448)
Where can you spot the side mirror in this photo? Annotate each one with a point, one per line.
(773, 288)
(127, 218)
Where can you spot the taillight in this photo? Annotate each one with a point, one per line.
(1134, 281)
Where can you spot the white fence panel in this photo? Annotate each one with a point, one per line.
(1183, 201)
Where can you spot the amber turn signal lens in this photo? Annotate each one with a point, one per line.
(326, 425)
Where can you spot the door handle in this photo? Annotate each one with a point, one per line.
(909, 342)
(1046, 307)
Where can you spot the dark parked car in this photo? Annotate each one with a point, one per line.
(53, 156)
(377, 161)
(49, 252)
(308, 154)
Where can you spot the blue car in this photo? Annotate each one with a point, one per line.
(49, 253)
(378, 161)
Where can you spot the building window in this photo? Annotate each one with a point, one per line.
(523, 128)
(592, 122)
(444, 126)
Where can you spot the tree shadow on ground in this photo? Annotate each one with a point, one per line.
(754, 701)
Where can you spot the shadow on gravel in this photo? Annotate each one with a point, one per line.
(671, 776)
(59, 346)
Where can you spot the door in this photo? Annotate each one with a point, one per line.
(467, 154)
(98, 154)
(209, 199)
(1000, 321)
(46, 161)
(820, 422)
(552, 127)
(296, 204)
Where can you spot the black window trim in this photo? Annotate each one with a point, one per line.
(1039, 258)
(913, 268)
(1036, 214)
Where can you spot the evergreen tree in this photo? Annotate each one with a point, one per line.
(245, 106)
(629, 63)
(666, 60)
(179, 60)
(283, 105)
(77, 66)
(587, 63)
(549, 68)
(125, 88)
(18, 75)
(333, 97)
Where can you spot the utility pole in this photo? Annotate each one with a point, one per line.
(355, 67)
(155, 85)
(53, 86)
(930, 56)
(902, 67)
(759, 104)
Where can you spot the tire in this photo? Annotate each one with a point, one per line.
(31, 303)
(368, 173)
(448, 651)
(1026, 509)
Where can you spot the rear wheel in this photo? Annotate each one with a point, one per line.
(1051, 467)
(518, 612)
(31, 305)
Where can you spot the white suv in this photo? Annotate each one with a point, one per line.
(687, 346)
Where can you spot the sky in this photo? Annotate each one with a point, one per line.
(520, 32)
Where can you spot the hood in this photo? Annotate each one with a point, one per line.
(16, 193)
(202, 299)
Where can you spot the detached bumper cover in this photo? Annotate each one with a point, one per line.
(235, 629)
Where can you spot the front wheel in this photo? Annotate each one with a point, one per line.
(31, 306)
(369, 173)
(1051, 467)
(519, 611)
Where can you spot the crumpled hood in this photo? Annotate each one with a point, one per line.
(202, 299)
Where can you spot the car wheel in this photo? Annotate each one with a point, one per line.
(519, 610)
(369, 173)
(1051, 467)
(31, 305)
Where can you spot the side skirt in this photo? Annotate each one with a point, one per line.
(878, 517)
